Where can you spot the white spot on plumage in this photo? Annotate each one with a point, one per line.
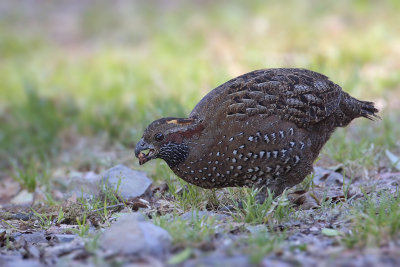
(234, 152)
(281, 134)
(239, 167)
(262, 153)
(231, 139)
(251, 138)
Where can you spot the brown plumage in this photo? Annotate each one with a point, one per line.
(264, 129)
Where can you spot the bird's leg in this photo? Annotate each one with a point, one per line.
(262, 195)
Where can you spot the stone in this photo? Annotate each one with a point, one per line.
(8, 189)
(18, 262)
(129, 183)
(129, 235)
(65, 238)
(32, 238)
(83, 185)
(23, 197)
(328, 177)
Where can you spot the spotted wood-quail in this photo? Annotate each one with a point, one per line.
(264, 129)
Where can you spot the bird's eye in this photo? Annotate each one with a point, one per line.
(158, 137)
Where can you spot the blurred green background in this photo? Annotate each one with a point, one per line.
(102, 70)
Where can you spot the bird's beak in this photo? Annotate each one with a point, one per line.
(143, 156)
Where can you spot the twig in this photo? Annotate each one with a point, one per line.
(109, 207)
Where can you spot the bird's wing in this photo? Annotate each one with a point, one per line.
(297, 95)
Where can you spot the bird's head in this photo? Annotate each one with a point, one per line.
(168, 139)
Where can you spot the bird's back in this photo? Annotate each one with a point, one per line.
(296, 95)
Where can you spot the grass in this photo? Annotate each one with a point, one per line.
(118, 90)
(376, 221)
(83, 227)
(272, 210)
(187, 196)
(198, 231)
(262, 244)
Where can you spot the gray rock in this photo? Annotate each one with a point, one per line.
(129, 235)
(33, 238)
(32, 252)
(51, 252)
(65, 238)
(18, 262)
(23, 197)
(129, 183)
(328, 177)
(84, 185)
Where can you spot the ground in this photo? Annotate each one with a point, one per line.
(82, 79)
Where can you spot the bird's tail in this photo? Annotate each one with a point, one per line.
(351, 108)
(368, 110)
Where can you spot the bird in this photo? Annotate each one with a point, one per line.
(263, 129)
